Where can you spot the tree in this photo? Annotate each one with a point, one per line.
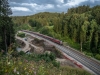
(6, 26)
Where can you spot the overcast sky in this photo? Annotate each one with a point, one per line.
(30, 7)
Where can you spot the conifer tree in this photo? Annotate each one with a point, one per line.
(6, 26)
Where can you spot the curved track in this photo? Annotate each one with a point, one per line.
(91, 64)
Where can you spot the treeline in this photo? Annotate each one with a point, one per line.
(81, 25)
(83, 28)
(6, 26)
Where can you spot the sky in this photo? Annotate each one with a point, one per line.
(30, 7)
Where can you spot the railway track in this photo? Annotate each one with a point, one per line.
(86, 61)
(91, 64)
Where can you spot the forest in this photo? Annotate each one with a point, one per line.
(79, 27)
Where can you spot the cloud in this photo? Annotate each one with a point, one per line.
(35, 1)
(74, 3)
(93, 1)
(19, 9)
(43, 7)
(33, 7)
(13, 3)
(71, 3)
(78, 2)
(36, 6)
(60, 1)
(29, 4)
(18, 1)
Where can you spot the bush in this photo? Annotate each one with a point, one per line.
(56, 64)
(57, 53)
(15, 54)
(22, 35)
(47, 57)
(89, 54)
(97, 56)
(21, 53)
(52, 56)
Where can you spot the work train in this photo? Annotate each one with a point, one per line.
(46, 37)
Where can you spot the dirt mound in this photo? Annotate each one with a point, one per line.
(38, 42)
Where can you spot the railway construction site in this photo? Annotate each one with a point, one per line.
(78, 59)
(40, 46)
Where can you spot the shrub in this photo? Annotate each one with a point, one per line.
(97, 56)
(15, 54)
(56, 64)
(22, 35)
(21, 53)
